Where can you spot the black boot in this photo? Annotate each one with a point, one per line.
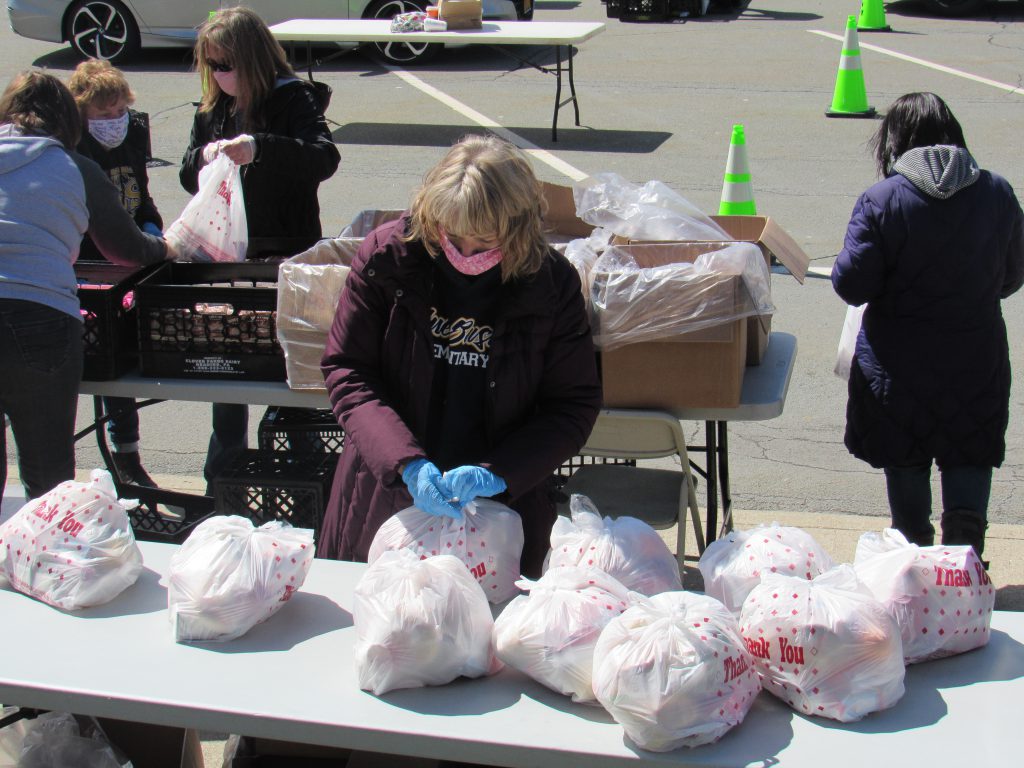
(961, 526)
(129, 469)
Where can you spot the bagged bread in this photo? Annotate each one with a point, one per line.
(941, 596)
(733, 565)
(420, 622)
(674, 671)
(229, 576)
(826, 646)
(550, 633)
(72, 547)
(488, 539)
(625, 548)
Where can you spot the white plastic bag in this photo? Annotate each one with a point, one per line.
(941, 596)
(488, 539)
(72, 547)
(848, 340)
(62, 740)
(420, 622)
(826, 647)
(229, 576)
(550, 633)
(674, 672)
(213, 227)
(733, 565)
(626, 548)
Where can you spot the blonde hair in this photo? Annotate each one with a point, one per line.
(96, 81)
(484, 186)
(257, 58)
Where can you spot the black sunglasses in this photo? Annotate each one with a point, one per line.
(219, 66)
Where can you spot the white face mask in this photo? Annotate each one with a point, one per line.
(228, 82)
(110, 133)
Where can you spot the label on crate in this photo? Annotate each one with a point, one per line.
(214, 364)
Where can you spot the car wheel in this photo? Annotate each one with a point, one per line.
(103, 29)
(955, 7)
(402, 54)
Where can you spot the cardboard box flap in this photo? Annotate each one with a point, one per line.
(561, 217)
(764, 231)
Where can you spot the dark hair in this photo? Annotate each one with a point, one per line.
(915, 120)
(41, 105)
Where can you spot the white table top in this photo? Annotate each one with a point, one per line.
(763, 397)
(292, 678)
(491, 33)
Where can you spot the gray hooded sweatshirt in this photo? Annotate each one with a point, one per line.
(49, 198)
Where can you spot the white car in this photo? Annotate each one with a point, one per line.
(117, 29)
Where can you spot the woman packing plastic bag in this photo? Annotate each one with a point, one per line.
(488, 539)
(213, 226)
(941, 596)
(229, 576)
(674, 671)
(73, 547)
(626, 548)
(420, 622)
(551, 633)
(826, 647)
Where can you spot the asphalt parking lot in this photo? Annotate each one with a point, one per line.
(657, 101)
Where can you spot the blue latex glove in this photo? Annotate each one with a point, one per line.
(468, 482)
(428, 489)
(152, 229)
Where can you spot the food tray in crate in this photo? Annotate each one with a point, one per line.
(300, 430)
(110, 332)
(210, 321)
(271, 485)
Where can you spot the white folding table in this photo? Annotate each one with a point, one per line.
(561, 36)
(293, 678)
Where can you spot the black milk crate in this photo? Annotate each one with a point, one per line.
(568, 469)
(652, 10)
(163, 515)
(210, 321)
(110, 331)
(300, 430)
(270, 485)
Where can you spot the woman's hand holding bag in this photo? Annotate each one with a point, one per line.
(213, 226)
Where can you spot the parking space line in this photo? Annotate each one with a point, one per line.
(930, 64)
(482, 120)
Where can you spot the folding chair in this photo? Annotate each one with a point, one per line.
(659, 497)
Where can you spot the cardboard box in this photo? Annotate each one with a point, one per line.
(461, 14)
(698, 369)
(154, 746)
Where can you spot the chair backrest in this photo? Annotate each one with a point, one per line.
(635, 434)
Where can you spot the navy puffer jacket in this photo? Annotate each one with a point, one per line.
(930, 377)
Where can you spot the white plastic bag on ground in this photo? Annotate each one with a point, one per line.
(941, 596)
(674, 671)
(733, 565)
(550, 633)
(826, 647)
(420, 622)
(72, 547)
(626, 548)
(229, 576)
(488, 539)
(62, 740)
(213, 227)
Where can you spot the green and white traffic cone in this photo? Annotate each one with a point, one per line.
(850, 99)
(737, 191)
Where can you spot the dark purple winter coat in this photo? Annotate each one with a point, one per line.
(930, 379)
(542, 401)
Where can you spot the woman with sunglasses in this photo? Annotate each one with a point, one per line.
(257, 112)
(460, 363)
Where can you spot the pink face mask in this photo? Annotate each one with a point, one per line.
(476, 264)
(228, 82)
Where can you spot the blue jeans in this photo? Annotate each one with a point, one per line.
(965, 495)
(41, 360)
(230, 437)
(123, 426)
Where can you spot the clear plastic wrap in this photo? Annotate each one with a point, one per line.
(826, 647)
(651, 212)
(647, 292)
(583, 253)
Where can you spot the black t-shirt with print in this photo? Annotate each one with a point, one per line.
(462, 324)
